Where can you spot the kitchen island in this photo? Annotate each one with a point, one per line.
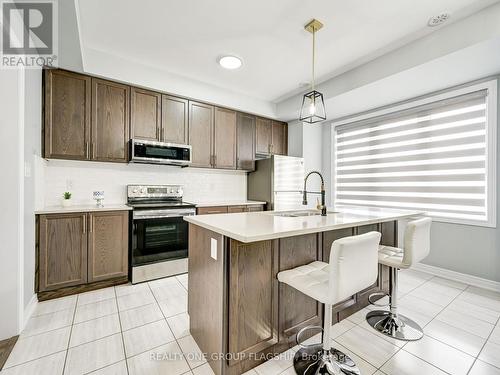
(240, 315)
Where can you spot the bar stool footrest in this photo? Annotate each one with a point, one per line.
(377, 294)
(315, 360)
(299, 334)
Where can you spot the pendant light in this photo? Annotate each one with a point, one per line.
(313, 105)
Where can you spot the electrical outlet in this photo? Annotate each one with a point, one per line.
(69, 184)
(27, 169)
(213, 248)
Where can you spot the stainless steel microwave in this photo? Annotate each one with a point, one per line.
(142, 151)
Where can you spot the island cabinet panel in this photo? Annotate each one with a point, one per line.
(296, 309)
(108, 245)
(263, 136)
(62, 250)
(110, 121)
(225, 139)
(253, 300)
(174, 120)
(67, 115)
(207, 304)
(246, 142)
(145, 114)
(201, 124)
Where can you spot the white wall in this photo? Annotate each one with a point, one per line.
(11, 133)
(32, 150)
(82, 178)
(305, 140)
(141, 74)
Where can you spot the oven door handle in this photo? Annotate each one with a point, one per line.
(159, 216)
(156, 214)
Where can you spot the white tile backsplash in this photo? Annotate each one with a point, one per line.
(82, 178)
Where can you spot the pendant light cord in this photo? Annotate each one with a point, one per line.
(314, 46)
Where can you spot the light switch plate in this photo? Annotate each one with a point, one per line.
(213, 248)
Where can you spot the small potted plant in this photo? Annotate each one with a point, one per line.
(66, 199)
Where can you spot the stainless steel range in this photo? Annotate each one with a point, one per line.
(159, 234)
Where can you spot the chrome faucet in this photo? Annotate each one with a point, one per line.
(321, 207)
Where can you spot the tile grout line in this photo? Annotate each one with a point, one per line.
(482, 348)
(444, 308)
(170, 328)
(402, 347)
(164, 317)
(69, 338)
(121, 330)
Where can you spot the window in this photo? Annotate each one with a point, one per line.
(436, 155)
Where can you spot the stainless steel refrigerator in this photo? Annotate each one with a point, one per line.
(279, 181)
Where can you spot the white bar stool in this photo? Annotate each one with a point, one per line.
(353, 267)
(416, 248)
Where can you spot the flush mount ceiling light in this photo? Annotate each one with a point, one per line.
(438, 19)
(313, 105)
(230, 62)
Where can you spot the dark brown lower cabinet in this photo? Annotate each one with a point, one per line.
(78, 249)
(293, 252)
(108, 237)
(253, 300)
(63, 250)
(237, 306)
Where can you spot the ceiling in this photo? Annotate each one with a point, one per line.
(186, 37)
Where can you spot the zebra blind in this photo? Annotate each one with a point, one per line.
(431, 158)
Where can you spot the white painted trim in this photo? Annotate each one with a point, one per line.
(457, 276)
(21, 109)
(29, 310)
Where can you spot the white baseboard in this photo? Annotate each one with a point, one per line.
(457, 276)
(29, 310)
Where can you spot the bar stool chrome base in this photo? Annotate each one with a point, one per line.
(313, 360)
(396, 326)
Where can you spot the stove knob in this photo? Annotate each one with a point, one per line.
(143, 190)
(135, 191)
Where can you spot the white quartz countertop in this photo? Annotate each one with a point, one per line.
(81, 208)
(265, 225)
(242, 202)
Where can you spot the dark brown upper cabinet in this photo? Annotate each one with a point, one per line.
(63, 250)
(87, 118)
(279, 138)
(110, 121)
(245, 135)
(174, 127)
(263, 136)
(145, 114)
(67, 115)
(225, 139)
(201, 126)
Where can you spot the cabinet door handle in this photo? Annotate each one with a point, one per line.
(84, 229)
(92, 152)
(87, 153)
(91, 226)
(215, 160)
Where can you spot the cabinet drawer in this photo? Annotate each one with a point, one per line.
(232, 209)
(212, 210)
(255, 208)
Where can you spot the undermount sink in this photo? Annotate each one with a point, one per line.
(300, 213)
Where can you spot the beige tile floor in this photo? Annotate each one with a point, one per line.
(144, 329)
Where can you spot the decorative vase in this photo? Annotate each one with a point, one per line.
(66, 202)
